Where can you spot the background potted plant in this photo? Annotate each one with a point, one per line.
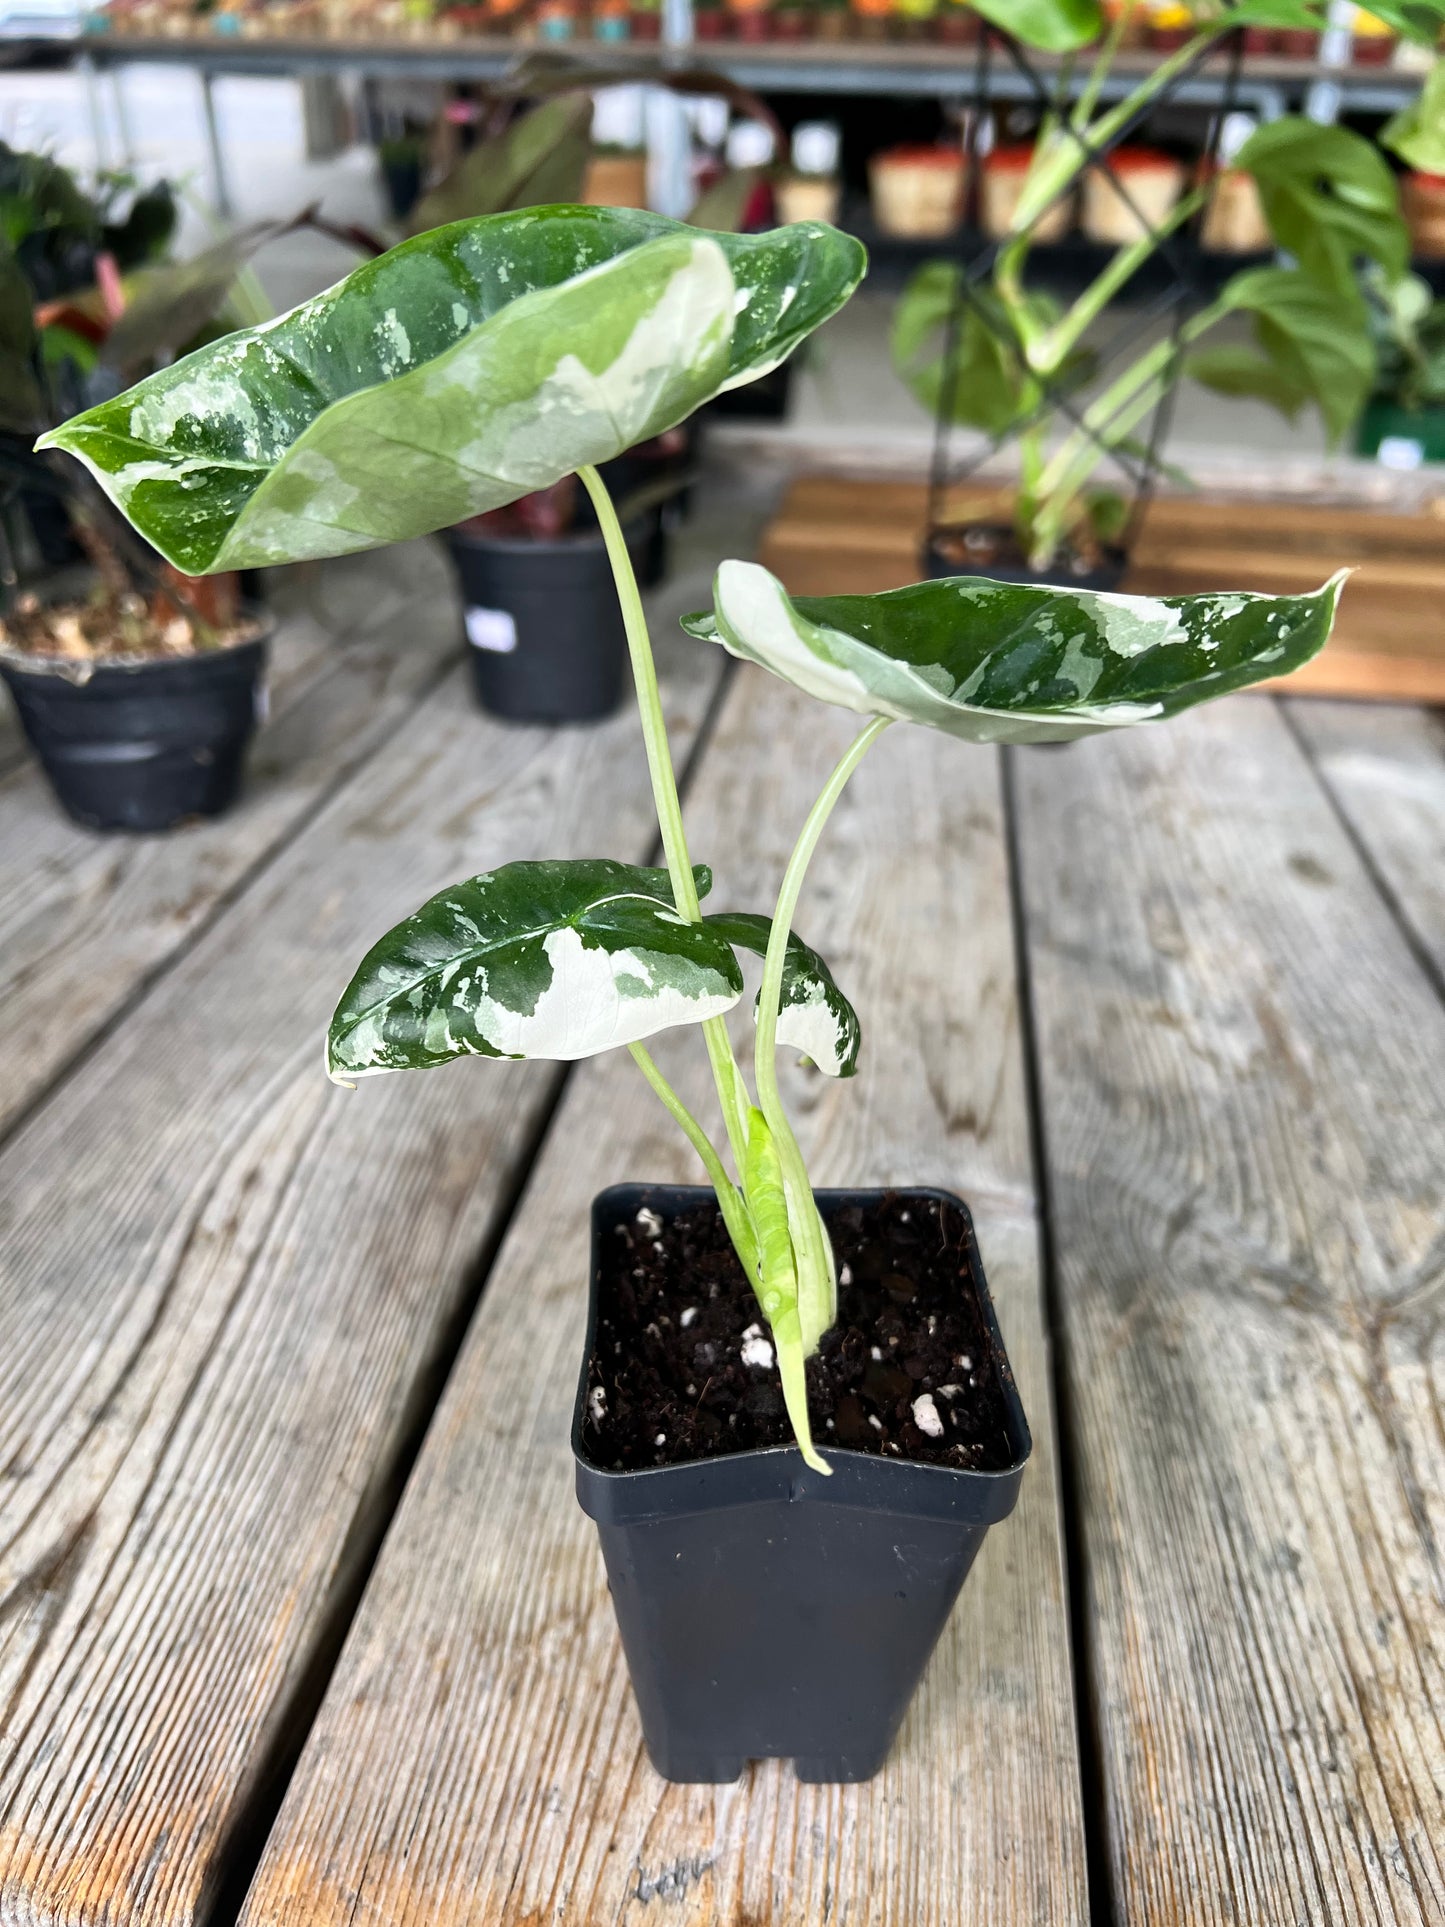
(137, 688)
(539, 608)
(991, 350)
(1403, 421)
(757, 1585)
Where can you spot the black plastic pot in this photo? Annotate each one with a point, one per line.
(142, 744)
(544, 622)
(1105, 578)
(767, 1611)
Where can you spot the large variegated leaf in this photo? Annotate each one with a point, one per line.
(556, 960)
(464, 368)
(814, 1017)
(997, 663)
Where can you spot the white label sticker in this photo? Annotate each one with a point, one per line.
(1400, 451)
(491, 629)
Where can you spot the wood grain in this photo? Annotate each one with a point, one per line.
(226, 1291)
(1385, 769)
(86, 919)
(1245, 1121)
(849, 537)
(478, 1759)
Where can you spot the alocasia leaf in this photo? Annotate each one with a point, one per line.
(554, 960)
(814, 1017)
(462, 369)
(998, 663)
(1329, 197)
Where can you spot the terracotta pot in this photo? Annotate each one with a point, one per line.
(807, 197)
(918, 191)
(615, 180)
(1153, 181)
(1234, 221)
(1422, 200)
(1297, 43)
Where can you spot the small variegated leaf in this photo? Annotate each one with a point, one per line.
(464, 368)
(814, 1017)
(554, 960)
(995, 662)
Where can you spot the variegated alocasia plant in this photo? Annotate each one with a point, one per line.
(493, 357)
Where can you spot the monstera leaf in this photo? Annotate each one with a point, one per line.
(555, 960)
(1417, 132)
(997, 663)
(460, 370)
(1314, 346)
(1329, 197)
(814, 1017)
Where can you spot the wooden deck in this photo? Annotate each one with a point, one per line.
(299, 1622)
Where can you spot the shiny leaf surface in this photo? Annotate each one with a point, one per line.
(463, 369)
(550, 960)
(994, 662)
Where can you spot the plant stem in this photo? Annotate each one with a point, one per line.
(1116, 411)
(730, 1201)
(1049, 350)
(817, 1286)
(726, 1075)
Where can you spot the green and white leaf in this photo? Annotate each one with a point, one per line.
(552, 960)
(994, 662)
(464, 368)
(814, 1017)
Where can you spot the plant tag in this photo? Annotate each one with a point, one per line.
(492, 629)
(1399, 451)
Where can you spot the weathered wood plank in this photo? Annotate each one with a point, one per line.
(227, 1291)
(86, 919)
(478, 1759)
(1385, 768)
(1244, 1112)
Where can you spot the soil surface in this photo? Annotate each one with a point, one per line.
(107, 627)
(985, 547)
(683, 1368)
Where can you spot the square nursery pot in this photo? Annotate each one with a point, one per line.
(767, 1611)
(143, 743)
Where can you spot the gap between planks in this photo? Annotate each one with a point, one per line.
(478, 1758)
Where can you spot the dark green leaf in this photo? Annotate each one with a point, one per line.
(814, 1016)
(22, 406)
(1248, 375)
(993, 662)
(465, 368)
(540, 158)
(552, 960)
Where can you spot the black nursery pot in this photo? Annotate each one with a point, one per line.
(1008, 567)
(146, 743)
(767, 1611)
(545, 625)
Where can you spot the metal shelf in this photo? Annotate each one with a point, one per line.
(929, 70)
